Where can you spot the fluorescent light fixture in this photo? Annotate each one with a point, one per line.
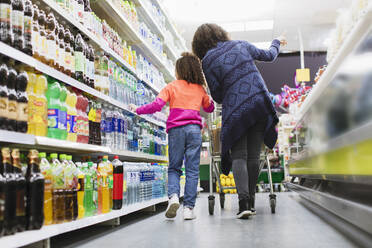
(262, 45)
(244, 26)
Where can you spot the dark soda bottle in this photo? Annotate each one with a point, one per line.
(56, 50)
(36, 40)
(22, 100)
(118, 183)
(72, 45)
(17, 24)
(98, 124)
(27, 32)
(3, 97)
(20, 191)
(6, 35)
(35, 192)
(91, 66)
(61, 53)
(12, 100)
(79, 58)
(10, 222)
(51, 39)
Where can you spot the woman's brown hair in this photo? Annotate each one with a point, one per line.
(189, 68)
(206, 37)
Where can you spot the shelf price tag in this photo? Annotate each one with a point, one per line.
(303, 75)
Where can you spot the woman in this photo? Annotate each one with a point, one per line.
(248, 116)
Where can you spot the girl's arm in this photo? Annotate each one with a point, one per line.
(208, 104)
(156, 105)
(264, 55)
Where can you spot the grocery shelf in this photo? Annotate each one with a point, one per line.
(106, 9)
(97, 41)
(129, 155)
(29, 237)
(15, 137)
(358, 32)
(26, 59)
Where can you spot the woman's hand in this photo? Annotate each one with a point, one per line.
(132, 107)
(282, 39)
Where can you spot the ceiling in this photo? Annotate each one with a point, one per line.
(313, 19)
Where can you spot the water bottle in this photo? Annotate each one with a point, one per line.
(103, 125)
(115, 126)
(125, 127)
(109, 127)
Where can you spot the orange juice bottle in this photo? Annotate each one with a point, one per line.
(105, 195)
(71, 116)
(39, 122)
(110, 179)
(31, 98)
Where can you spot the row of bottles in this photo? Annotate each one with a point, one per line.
(21, 192)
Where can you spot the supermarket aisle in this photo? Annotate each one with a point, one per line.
(292, 226)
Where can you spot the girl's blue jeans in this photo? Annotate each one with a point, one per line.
(184, 142)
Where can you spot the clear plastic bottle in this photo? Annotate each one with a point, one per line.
(103, 125)
(109, 134)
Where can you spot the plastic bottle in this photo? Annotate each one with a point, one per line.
(27, 33)
(91, 66)
(10, 223)
(12, 100)
(89, 188)
(71, 100)
(39, 107)
(3, 96)
(115, 125)
(43, 45)
(80, 189)
(109, 134)
(91, 118)
(54, 106)
(35, 192)
(103, 125)
(5, 25)
(110, 180)
(17, 24)
(62, 118)
(51, 40)
(97, 124)
(118, 183)
(20, 191)
(76, 189)
(79, 58)
(86, 120)
(58, 190)
(95, 187)
(35, 35)
(22, 102)
(61, 49)
(68, 187)
(67, 53)
(48, 188)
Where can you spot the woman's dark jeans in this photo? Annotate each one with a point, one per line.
(246, 160)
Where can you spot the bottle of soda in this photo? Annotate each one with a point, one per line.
(62, 118)
(58, 190)
(12, 100)
(35, 192)
(76, 189)
(68, 56)
(72, 44)
(10, 222)
(6, 35)
(68, 178)
(46, 169)
(17, 24)
(86, 61)
(118, 183)
(43, 45)
(56, 42)
(61, 53)
(35, 35)
(3, 97)
(91, 66)
(20, 191)
(79, 58)
(22, 100)
(28, 14)
(54, 106)
(51, 39)
(91, 118)
(97, 124)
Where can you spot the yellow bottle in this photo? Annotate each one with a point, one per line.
(71, 116)
(48, 187)
(105, 198)
(110, 180)
(31, 98)
(39, 122)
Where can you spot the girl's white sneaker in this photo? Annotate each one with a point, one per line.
(188, 213)
(173, 205)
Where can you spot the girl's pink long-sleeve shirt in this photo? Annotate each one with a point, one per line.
(185, 100)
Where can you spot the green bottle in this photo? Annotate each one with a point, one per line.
(54, 107)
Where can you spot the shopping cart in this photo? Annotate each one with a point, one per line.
(215, 163)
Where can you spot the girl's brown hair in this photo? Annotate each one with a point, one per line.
(206, 37)
(189, 68)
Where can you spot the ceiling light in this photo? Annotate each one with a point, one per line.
(244, 26)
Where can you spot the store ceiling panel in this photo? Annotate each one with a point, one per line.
(314, 18)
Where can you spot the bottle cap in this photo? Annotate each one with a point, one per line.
(68, 157)
(62, 156)
(54, 155)
(42, 155)
(116, 157)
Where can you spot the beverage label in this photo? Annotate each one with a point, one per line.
(119, 121)
(86, 128)
(47, 182)
(79, 61)
(79, 126)
(35, 41)
(5, 13)
(17, 19)
(62, 120)
(117, 193)
(115, 125)
(51, 48)
(22, 111)
(20, 198)
(110, 181)
(3, 106)
(53, 115)
(27, 24)
(103, 126)
(12, 109)
(43, 46)
(71, 123)
(68, 60)
(130, 134)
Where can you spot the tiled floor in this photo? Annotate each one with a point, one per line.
(292, 226)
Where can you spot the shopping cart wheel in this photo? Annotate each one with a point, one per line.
(211, 204)
(222, 200)
(272, 203)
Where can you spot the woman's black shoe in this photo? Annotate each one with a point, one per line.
(244, 211)
(251, 205)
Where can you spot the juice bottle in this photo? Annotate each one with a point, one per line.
(43, 45)
(118, 183)
(17, 24)
(67, 53)
(35, 35)
(62, 118)
(54, 106)
(68, 178)
(86, 120)
(5, 22)
(22, 102)
(20, 191)
(3, 97)
(51, 39)
(27, 33)
(31, 98)
(71, 116)
(79, 118)
(35, 192)
(58, 196)
(12, 100)
(110, 180)
(10, 223)
(78, 190)
(56, 51)
(79, 58)
(91, 119)
(89, 188)
(91, 67)
(100, 182)
(72, 42)
(48, 188)
(97, 124)
(39, 120)
(61, 49)
(105, 193)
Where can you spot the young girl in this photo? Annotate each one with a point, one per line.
(186, 96)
